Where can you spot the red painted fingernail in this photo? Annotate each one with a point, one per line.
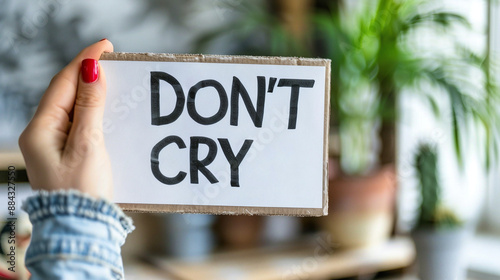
(103, 39)
(90, 70)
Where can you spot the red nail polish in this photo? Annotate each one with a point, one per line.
(90, 70)
(103, 39)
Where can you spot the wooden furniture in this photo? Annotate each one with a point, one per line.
(11, 158)
(311, 259)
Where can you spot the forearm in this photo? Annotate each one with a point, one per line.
(75, 237)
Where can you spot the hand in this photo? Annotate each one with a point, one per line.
(63, 145)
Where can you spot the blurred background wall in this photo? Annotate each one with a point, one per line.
(39, 37)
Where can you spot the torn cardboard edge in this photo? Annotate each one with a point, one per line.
(235, 59)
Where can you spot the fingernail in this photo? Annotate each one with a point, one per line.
(90, 70)
(103, 39)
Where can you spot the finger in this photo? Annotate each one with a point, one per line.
(59, 99)
(90, 97)
(84, 146)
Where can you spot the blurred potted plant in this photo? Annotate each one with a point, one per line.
(374, 62)
(439, 234)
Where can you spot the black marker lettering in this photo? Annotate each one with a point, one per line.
(201, 165)
(256, 114)
(234, 161)
(272, 82)
(222, 105)
(155, 163)
(156, 119)
(295, 84)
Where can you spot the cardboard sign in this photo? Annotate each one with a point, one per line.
(218, 134)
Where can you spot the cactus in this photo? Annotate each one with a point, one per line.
(432, 213)
(426, 165)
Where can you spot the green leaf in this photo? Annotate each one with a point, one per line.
(456, 138)
(434, 106)
(442, 19)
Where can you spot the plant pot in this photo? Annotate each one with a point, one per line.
(361, 209)
(440, 253)
(239, 232)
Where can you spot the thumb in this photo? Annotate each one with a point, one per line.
(86, 130)
(90, 96)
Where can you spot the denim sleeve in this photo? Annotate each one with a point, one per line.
(75, 237)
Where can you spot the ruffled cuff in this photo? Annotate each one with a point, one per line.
(46, 205)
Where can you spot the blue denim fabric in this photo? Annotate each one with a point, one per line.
(75, 237)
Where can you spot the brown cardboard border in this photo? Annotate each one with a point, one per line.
(238, 210)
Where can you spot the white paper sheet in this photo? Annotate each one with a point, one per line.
(283, 167)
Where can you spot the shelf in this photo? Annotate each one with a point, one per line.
(483, 253)
(311, 259)
(135, 270)
(12, 158)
